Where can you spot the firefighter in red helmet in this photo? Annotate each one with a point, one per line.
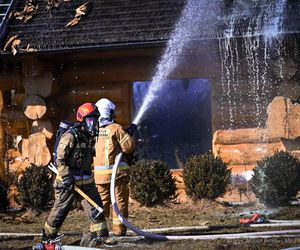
(75, 154)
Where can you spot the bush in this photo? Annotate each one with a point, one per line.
(276, 179)
(206, 176)
(3, 196)
(151, 182)
(35, 187)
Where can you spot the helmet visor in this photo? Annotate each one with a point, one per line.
(90, 124)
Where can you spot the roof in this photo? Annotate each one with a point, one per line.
(129, 22)
(108, 22)
(263, 17)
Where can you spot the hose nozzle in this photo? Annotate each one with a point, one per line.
(131, 129)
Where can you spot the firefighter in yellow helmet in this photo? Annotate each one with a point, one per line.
(112, 139)
(75, 152)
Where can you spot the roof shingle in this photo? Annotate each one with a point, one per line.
(125, 22)
(109, 22)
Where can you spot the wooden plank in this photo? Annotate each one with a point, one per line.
(2, 151)
(1, 102)
(24, 148)
(119, 93)
(15, 123)
(246, 135)
(116, 92)
(246, 154)
(118, 70)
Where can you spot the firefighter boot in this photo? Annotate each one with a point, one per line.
(49, 242)
(92, 239)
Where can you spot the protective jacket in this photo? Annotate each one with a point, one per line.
(112, 139)
(75, 154)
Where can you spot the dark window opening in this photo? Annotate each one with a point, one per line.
(178, 122)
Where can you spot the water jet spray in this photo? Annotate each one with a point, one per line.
(199, 16)
(196, 15)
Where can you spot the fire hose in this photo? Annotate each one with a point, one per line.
(114, 202)
(150, 235)
(117, 210)
(52, 167)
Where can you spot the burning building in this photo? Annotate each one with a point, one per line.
(233, 87)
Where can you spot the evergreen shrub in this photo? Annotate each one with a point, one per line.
(35, 187)
(206, 176)
(3, 196)
(151, 182)
(276, 179)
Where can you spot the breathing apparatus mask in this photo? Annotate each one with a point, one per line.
(87, 115)
(90, 125)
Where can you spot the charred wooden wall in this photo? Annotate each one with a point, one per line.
(40, 91)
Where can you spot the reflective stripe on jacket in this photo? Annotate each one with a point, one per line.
(108, 169)
(112, 140)
(80, 180)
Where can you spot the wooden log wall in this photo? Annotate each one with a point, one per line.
(13, 119)
(242, 148)
(91, 80)
(239, 109)
(26, 88)
(2, 142)
(39, 85)
(41, 94)
(13, 124)
(234, 103)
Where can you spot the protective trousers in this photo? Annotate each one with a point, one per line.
(64, 199)
(122, 198)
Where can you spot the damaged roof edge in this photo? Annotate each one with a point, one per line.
(128, 45)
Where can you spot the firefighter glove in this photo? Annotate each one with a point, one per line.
(131, 129)
(68, 182)
(131, 159)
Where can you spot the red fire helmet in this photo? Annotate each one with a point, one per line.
(85, 109)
